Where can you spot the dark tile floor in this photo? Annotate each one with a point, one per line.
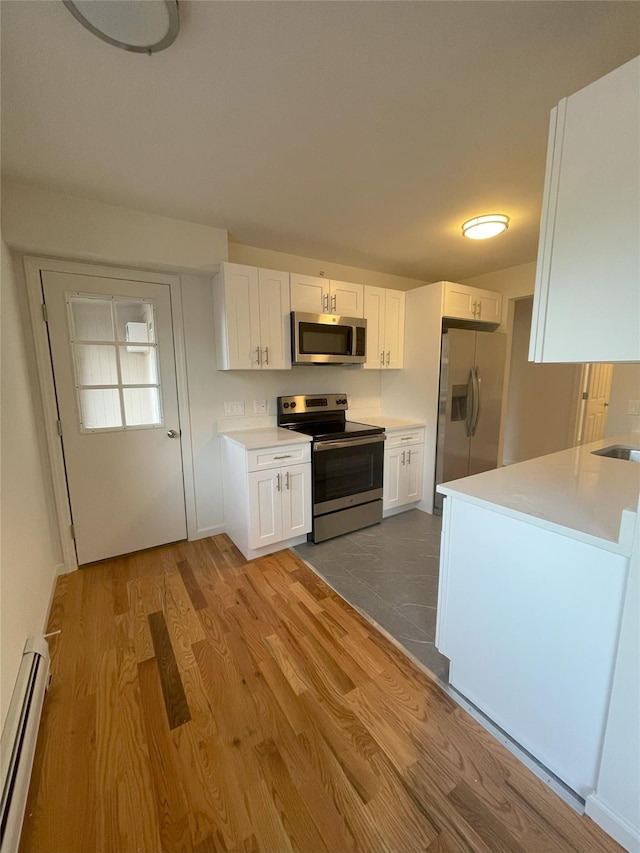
(390, 572)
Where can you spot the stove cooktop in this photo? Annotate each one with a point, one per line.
(335, 430)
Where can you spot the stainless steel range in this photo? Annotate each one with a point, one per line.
(347, 463)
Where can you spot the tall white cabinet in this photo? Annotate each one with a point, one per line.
(587, 292)
(252, 309)
(384, 313)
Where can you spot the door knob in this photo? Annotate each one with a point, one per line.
(172, 433)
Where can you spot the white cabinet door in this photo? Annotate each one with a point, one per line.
(384, 312)
(413, 473)
(310, 294)
(460, 301)
(392, 491)
(587, 293)
(489, 306)
(394, 329)
(275, 326)
(346, 298)
(296, 501)
(374, 304)
(265, 508)
(235, 291)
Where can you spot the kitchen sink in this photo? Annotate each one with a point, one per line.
(619, 451)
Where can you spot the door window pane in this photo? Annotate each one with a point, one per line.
(91, 319)
(138, 367)
(134, 320)
(96, 364)
(141, 406)
(99, 408)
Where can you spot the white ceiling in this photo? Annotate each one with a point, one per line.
(361, 133)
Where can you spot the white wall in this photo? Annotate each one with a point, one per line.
(625, 386)
(310, 266)
(30, 549)
(542, 399)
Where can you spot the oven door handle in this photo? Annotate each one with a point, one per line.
(353, 442)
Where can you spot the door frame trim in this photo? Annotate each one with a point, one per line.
(33, 267)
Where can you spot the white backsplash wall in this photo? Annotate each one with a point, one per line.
(210, 388)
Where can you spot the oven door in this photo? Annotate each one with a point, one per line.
(347, 473)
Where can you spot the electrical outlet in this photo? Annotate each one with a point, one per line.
(231, 409)
(259, 407)
(634, 407)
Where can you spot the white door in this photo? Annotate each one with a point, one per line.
(393, 478)
(597, 387)
(374, 303)
(347, 299)
(414, 473)
(394, 329)
(114, 368)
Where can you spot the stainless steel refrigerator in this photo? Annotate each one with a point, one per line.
(471, 376)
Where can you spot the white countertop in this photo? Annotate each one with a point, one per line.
(391, 423)
(590, 498)
(253, 439)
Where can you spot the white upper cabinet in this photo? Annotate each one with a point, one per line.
(252, 311)
(384, 313)
(462, 302)
(316, 295)
(587, 293)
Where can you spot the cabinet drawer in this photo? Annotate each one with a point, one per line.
(405, 437)
(277, 457)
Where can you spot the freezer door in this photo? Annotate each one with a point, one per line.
(455, 405)
(488, 376)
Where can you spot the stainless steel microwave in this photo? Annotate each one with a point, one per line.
(327, 339)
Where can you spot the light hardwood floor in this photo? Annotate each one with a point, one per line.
(199, 703)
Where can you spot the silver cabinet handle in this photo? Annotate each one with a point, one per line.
(388, 357)
(333, 303)
(409, 457)
(286, 481)
(266, 355)
(404, 453)
(382, 358)
(407, 438)
(479, 308)
(286, 456)
(325, 302)
(278, 483)
(172, 433)
(257, 355)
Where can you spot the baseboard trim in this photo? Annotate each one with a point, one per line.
(613, 823)
(203, 532)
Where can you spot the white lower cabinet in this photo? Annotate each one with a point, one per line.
(267, 496)
(279, 504)
(403, 468)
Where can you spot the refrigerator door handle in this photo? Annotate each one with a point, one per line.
(476, 400)
(471, 404)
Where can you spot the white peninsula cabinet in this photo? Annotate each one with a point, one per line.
(252, 318)
(267, 490)
(587, 291)
(533, 575)
(316, 295)
(384, 313)
(403, 469)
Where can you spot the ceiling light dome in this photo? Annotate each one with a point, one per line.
(482, 227)
(142, 26)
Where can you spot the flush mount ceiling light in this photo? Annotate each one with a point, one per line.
(143, 26)
(482, 227)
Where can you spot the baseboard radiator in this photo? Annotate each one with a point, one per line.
(18, 742)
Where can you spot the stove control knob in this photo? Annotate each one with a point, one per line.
(286, 405)
(293, 405)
